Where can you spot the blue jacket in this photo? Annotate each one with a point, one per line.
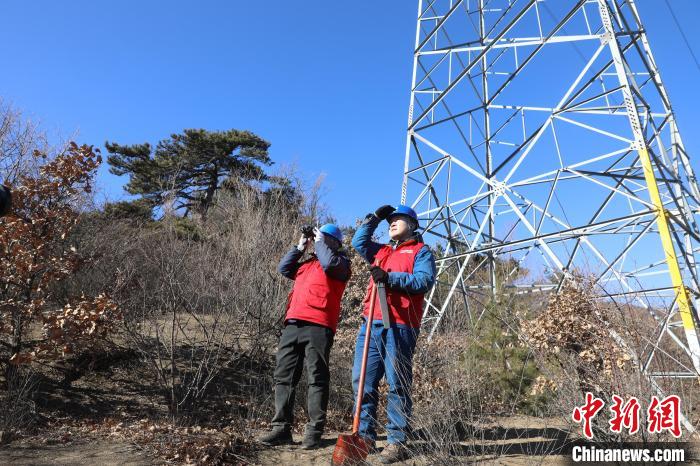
(423, 277)
(335, 263)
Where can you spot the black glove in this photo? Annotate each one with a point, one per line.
(5, 200)
(384, 211)
(379, 275)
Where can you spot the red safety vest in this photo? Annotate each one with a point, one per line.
(315, 296)
(404, 308)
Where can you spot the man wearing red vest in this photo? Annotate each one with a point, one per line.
(406, 267)
(312, 316)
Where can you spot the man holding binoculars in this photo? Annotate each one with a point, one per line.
(313, 310)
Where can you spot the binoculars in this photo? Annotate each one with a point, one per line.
(307, 231)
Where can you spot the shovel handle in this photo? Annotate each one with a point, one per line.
(363, 366)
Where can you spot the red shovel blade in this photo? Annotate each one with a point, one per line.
(350, 449)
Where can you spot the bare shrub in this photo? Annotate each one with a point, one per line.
(19, 139)
(17, 408)
(584, 344)
(35, 254)
(202, 300)
(472, 384)
(537, 358)
(574, 324)
(196, 305)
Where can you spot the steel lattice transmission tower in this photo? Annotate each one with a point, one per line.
(541, 137)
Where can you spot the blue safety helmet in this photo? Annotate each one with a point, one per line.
(405, 211)
(332, 230)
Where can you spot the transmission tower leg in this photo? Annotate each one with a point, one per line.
(682, 298)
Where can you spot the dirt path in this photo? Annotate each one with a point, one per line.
(107, 452)
(79, 453)
(514, 441)
(294, 455)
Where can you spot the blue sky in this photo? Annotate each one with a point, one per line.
(327, 83)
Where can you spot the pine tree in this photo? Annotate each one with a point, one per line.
(186, 170)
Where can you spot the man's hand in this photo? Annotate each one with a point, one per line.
(303, 243)
(318, 235)
(384, 211)
(5, 200)
(379, 275)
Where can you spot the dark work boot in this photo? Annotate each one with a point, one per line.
(276, 437)
(311, 442)
(371, 445)
(393, 453)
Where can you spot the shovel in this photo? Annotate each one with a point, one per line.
(352, 449)
(383, 304)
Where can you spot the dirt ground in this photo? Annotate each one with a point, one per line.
(524, 442)
(82, 453)
(294, 455)
(110, 452)
(117, 395)
(517, 440)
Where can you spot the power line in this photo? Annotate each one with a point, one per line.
(685, 38)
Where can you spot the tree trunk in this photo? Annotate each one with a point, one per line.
(11, 373)
(211, 190)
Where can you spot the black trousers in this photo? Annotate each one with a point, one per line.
(300, 342)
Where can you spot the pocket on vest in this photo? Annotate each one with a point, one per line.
(318, 297)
